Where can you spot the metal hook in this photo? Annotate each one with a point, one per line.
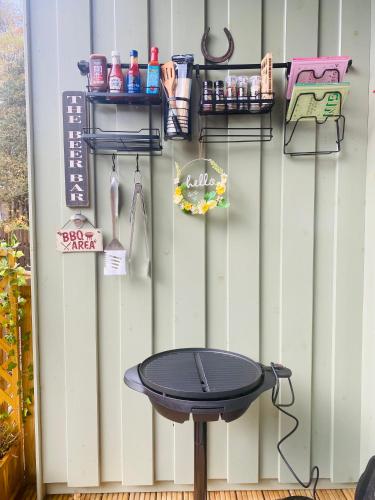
(113, 162)
(223, 58)
(137, 174)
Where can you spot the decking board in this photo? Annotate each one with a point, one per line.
(347, 494)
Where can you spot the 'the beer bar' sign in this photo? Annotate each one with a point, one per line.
(75, 150)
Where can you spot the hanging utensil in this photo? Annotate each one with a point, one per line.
(168, 79)
(114, 252)
(138, 193)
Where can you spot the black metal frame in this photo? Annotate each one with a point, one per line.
(251, 134)
(200, 460)
(264, 133)
(174, 119)
(208, 135)
(261, 104)
(83, 66)
(139, 99)
(339, 120)
(145, 141)
(253, 105)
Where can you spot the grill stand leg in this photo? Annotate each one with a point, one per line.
(200, 460)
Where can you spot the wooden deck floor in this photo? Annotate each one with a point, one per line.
(213, 495)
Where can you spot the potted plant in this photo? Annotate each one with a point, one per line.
(10, 464)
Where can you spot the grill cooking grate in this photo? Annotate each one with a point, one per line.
(200, 374)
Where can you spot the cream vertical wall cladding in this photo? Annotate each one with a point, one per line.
(131, 32)
(273, 17)
(188, 239)
(217, 16)
(348, 256)
(80, 331)
(243, 249)
(325, 187)
(162, 210)
(297, 244)
(368, 345)
(108, 292)
(47, 217)
(278, 276)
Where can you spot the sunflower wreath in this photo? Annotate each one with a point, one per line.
(191, 203)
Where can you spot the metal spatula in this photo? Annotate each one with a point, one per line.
(114, 252)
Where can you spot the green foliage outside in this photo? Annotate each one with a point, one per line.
(13, 164)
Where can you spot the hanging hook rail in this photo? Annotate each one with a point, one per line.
(83, 66)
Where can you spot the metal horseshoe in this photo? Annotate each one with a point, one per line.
(223, 58)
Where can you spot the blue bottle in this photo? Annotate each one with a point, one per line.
(153, 73)
(133, 76)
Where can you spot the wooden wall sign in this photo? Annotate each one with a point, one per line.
(75, 149)
(79, 235)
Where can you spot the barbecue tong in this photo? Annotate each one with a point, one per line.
(138, 194)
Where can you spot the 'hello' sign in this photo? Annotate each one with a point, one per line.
(75, 149)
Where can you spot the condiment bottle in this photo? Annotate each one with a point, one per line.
(231, 92)
(219, 95)
(115, 77)
(98, 73)
(153, 73)
(206, 102)
(133, 77)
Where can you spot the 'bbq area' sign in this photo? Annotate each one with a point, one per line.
(84, 238)
(75, 149)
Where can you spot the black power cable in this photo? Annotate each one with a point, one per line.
(314, 474)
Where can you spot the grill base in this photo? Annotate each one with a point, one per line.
(200, 460)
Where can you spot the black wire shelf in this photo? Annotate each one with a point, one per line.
(225, 135)
(257, 105)
(292, 124)
(139, 99)
(144, 141)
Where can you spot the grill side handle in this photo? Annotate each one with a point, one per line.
(281, 370)
(133, 380)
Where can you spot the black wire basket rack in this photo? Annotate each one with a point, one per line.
(145, 141)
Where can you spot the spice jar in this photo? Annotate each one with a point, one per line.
(242, 93)
(206, 101)
(231, 92)
(98, 73)
(255, 91)
(219, 95)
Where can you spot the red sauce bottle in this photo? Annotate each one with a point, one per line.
(98, 73)
(116, 78)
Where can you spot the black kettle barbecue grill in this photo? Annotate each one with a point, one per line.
(207, 384)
